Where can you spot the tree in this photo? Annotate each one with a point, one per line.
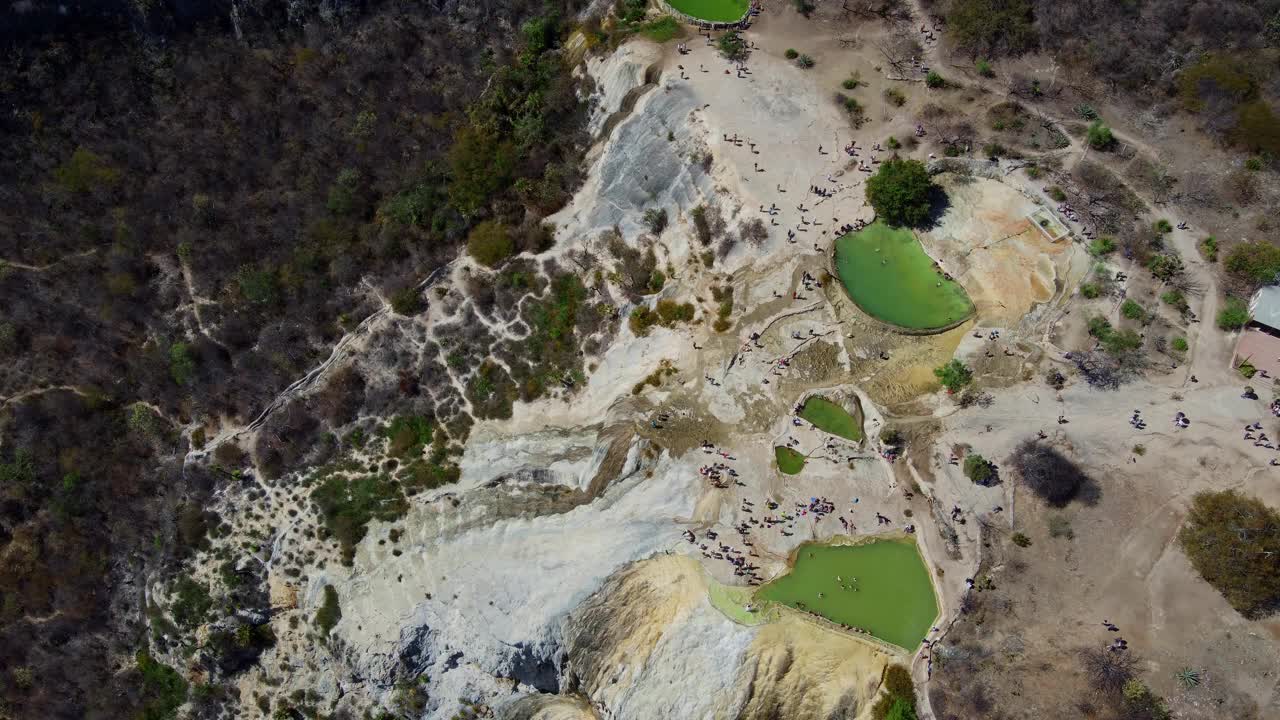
(900, 192)
(656, 220)
(480, 165)
(1257, 261)
(954, 375)
(979, 469)
(1233, 541)
(182, 366)
(1099, 136)
(1108, 671)
(490, 243)
(732, 46)
(1233, 315)
(990, 26)
(1048, 473)
(900, 710)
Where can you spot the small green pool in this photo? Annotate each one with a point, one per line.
(892, 279)
(712, 10)
(882, 587)
(831, 418)
(790, 462)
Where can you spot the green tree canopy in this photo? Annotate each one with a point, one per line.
(480, 165)
(1233, 541)
(954, 375)
(900, 192)
(490, 243)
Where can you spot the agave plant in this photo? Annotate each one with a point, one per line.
(1187, 677)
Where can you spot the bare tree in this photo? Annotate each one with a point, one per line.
(1108, 670)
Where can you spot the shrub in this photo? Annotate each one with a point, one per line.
(804, 61)
(1099, 136)
(164, 689)
(1107, 671)
(954, 375)
(343, 193)
(406, 301)
(1253, 164)
(1132, 310)
(330, 611)
(85, 171)
(1179, 344)
(895, 97)
(1233, 315)
(892, 143)
(1176, 299)
(899, 700)
(984, 68)
(1047, 473)
(1021, 540)
(1056, 193)
(1209, 248)
(978, 469)
(850, 82)
(791, 53)
(182, 365)
(732, 46)
(1257, 261)
(656, 220)
(1247, 369)
(934, 80)
(490, 243)
(1232, 540)
(900, 192)
(1090, 290)
(1060, 527)
(1102, 245)
(991, 26)
(1165, 266)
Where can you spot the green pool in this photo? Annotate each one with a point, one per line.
(712, 10)
(892, 279)
(893, 599)
(831, 418)
(790, 462)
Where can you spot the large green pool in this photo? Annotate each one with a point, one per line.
(892, 279)
(831, 418)
(889, 592)
(712, 10)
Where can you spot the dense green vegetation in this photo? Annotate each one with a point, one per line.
(1257, 261)
(901, 192)
(1232, 541)
(954, 375)
(1114, 342)
(898, 702)
(330, 611)
(978, 469)
(987, 27)
(348, 504)
(164, 690)
(1233, 315)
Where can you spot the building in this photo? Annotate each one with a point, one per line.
(1259, 343)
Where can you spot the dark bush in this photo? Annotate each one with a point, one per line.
(1047, 473)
